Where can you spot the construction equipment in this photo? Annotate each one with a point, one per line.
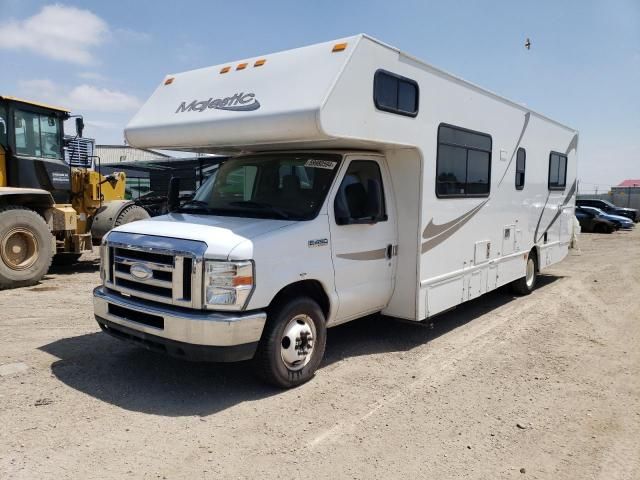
(49, 211)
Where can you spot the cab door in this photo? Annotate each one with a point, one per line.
(363, 236)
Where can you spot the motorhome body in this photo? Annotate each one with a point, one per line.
(366, 181)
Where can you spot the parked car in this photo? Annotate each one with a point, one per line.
(609, 208)
(590, 222)
(618, 220)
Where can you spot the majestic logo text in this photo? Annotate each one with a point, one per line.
(240, 102)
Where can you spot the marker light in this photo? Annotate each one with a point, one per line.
(169, 81)
(241, 66)
(259, 63)
(225, 69)
(338, 47)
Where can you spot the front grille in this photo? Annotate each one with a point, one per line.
(135, 316)
(147, 267)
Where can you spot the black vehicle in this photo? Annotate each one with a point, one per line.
(590, 222)
(609, 208)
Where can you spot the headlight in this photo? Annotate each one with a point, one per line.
(227, 285)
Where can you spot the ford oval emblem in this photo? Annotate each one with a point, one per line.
(140, 271)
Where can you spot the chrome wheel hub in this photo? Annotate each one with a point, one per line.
(296, 345)
(531, 272)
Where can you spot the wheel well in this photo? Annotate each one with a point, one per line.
(38, 202)
(307, 288)
(534, 252)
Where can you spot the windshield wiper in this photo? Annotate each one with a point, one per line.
(197, 203)
(253, 204)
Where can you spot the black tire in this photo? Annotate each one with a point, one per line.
(130, 214)
(269, 363)
(524, 286)
(25, 247)
(600, 228)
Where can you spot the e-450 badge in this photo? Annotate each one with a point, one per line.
(320, 242)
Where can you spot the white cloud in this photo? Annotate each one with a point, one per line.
(87, 97)
(82, 98)
(91, 76)
(59, 32)
(43, 88)
(102, 125)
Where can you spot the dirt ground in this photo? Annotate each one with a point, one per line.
(546, 386)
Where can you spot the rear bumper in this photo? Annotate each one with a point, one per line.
(189, 334)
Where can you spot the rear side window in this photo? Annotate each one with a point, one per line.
(396, 94)
(521, 163)
(463, 165)
(557, 171)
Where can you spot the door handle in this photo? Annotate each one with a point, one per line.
(389, 251)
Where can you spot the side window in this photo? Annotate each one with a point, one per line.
(557, 171)
(463, 165)
(3, 126)
(49, 135)
(27, 128)
(521, 163)
(395, 94)
(360, 197)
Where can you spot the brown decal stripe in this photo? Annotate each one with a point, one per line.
(366, 255)
(436, 234)
(515, 149)
(559, 212)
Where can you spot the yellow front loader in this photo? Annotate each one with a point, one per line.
(49, 211)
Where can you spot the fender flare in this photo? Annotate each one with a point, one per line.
(34, 198)
(106, 216)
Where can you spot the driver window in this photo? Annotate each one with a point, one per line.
(27, 128)
(49, 131)
(361, 182)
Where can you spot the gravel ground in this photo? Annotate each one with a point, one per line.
(546, 386)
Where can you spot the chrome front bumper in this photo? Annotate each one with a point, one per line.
(177, 325)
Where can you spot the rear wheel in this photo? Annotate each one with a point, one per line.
(601, 228)
(292, 344)
(25, 247)
(131, 214)
(526, 284)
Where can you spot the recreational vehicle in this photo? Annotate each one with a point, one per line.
(361, 180)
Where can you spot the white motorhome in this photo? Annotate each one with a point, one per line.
(362, 180)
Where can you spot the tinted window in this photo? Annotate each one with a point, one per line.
(557, 171)
(396, 94)
(521, 162)
(3, 126)
(356, 187)
(464, 162)
(37, 135)
(282, 186)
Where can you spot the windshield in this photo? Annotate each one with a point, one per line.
(595, 210)
(37, 135)
(282, 186)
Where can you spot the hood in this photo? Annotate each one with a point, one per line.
(618, 218)
(221, 234)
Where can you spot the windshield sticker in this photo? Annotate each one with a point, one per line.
(326, 164)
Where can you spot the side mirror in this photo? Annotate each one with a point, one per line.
(79, 126)
(173, 194)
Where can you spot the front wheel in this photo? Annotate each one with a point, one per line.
(526, 284)
(292, 344)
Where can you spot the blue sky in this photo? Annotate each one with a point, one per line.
(103, 59)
